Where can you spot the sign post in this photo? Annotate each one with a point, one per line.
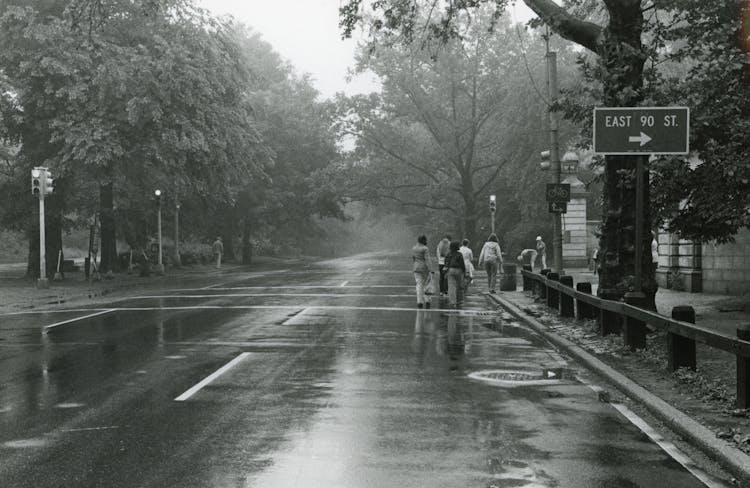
(640, 132)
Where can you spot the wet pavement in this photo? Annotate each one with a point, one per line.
(325, 376)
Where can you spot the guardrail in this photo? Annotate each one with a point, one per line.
(620, 317)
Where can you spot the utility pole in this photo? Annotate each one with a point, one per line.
(554, 152)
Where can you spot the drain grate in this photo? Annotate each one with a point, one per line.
(512, 378)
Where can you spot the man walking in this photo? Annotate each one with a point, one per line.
(541, 249)
(218, 248)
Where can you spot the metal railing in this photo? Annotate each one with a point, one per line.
(619, 317)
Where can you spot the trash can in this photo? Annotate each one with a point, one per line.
(508, 278)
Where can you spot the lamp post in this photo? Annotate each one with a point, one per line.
(177, 261)
(160, 265)
(493, 207)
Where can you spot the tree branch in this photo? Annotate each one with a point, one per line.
(581, 32)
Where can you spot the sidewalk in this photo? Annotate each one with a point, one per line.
(704, 400)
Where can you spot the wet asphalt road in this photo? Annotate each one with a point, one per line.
(326, 376)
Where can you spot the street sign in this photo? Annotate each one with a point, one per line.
(641, 130)
(557, 207)
(558, 192)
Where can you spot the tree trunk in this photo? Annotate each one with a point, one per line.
(107, 218)
(247, 247)
(622, 55)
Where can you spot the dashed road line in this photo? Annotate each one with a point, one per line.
(208, 379)
(47, 328)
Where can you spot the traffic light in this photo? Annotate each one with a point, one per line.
(545, 164)
(47, 182)
(492, 204)
(157, 197)
(36, 182)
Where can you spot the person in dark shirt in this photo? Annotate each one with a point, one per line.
(456, 268)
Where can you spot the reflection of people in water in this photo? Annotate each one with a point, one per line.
(455, 341)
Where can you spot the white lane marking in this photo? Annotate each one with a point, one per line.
(343, 284)
(84, 429)
(208, 379)
(668, 447)
(46, 328)
(312, 307)
(250, 295)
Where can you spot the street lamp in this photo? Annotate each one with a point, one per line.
(493, 207)
(160, 265)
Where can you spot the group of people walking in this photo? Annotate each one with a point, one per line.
(455, 268)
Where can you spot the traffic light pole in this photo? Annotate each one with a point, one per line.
(43, 282)
(554, 155)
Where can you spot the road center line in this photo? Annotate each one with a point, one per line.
(46, 328)
(208, 379)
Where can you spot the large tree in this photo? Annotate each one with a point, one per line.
(444, 131)
(618, 43)
(119, 97)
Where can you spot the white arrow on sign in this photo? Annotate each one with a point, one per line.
(643, 139)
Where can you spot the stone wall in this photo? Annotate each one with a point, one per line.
(726, 267)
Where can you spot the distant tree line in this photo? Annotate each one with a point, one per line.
(122, 97)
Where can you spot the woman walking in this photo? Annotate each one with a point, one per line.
(491, 258)
(420, 255)
(456, 268)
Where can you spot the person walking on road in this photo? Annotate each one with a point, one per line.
(420, 255)
(468, 254)
(218, 248)
(541, 249)
(491, 258)
(443, 249)
(456, 269)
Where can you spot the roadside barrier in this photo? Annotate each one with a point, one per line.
(617, 316)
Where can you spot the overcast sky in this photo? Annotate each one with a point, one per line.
(306, 33)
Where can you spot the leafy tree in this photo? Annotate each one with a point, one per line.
(126, 95)
(617, 41)
(445, 131)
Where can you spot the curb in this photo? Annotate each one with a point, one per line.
(733, 460)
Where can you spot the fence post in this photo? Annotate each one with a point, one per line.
(743, 371)
(583, 309)
(634, 330)
(681, 350)
(553, 296)
(527, 285)
(543, 285)
(567, 306)
(609, 322)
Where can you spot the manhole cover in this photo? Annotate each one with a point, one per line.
(512, 378)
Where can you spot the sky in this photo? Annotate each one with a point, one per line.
(306, 33)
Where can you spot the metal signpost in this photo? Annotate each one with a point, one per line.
(641, 131)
